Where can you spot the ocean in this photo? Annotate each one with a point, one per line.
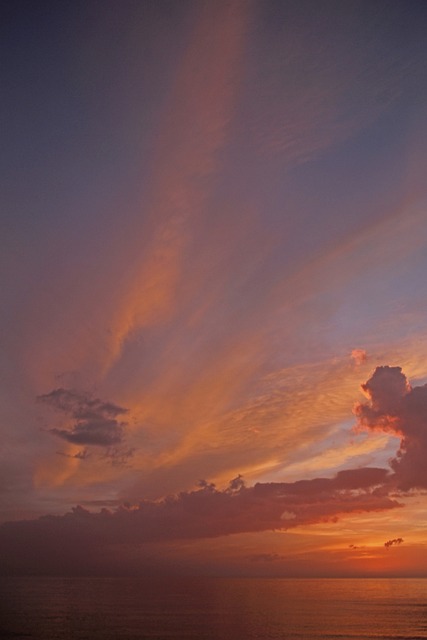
(212, 608)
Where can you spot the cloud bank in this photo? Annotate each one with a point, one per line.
(80, 538)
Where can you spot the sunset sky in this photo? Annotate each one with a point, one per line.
(214, 233)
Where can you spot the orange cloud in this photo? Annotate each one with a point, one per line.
(359, 356)
(55, 471)
(194, 129)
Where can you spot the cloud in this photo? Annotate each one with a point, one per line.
(59, 542)
(95, 421)
(288, 515)
(194, 128)
(395, 407)
(395, 541)
(359, 356)
(385, 390)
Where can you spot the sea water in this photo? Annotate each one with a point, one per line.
(212, 608)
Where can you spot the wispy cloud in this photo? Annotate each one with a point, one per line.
(194, 129)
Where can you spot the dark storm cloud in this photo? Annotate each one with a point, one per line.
(95, 421)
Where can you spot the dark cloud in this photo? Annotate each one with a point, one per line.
(101, 433)
(59, 542)
(385, 389)
(391, 543)
(95, 421)
(397, 408)
(236, 483)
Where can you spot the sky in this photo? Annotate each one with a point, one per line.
(213, 321)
